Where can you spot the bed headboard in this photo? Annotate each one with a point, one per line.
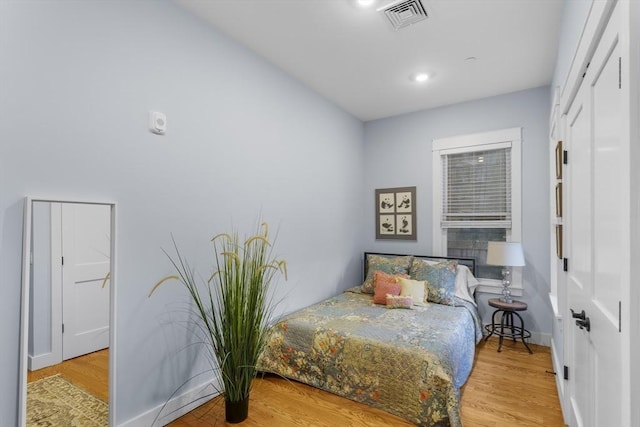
(469, 262)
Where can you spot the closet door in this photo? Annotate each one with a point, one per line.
(579, 242)
(598, 240)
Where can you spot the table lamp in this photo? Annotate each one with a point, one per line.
(505, 254)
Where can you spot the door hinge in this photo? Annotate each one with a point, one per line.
(565, 157)
(619, 72)
(585, 70)
(565, 264)
(619, 316)
(62, 260)
(566, 372)
(63, 328)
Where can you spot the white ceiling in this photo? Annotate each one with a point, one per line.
(354, 57)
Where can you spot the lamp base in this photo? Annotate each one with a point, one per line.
(508, 300)
(506, 283)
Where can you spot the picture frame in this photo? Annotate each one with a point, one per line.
(396, 213)
(559, 241)
(559, 200)
(559, 160)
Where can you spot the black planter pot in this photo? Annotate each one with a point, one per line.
(236, 412)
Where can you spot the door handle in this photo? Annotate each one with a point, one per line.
(582, 315)
(584, 324)
(583, 321)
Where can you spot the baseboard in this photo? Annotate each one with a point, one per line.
(558, 367)
(541, 338)
(42, 361)
(175, 408)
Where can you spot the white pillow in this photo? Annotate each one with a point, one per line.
(417, 289)
(466, 284)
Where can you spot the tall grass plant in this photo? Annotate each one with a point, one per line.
(234, 305)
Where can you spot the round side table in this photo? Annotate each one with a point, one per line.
(506, 327)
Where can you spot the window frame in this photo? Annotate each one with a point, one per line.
(504, 138)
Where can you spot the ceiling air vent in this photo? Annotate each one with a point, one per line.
(404, 13)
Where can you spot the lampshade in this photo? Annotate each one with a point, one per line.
(505, 254)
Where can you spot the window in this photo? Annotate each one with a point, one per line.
(476, 198)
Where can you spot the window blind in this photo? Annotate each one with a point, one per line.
(477, 189)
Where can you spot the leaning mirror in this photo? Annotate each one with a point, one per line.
(67, 313)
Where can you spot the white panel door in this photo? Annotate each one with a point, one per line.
(611, 228)
(85, 250)
(598, 237)
(577, 227)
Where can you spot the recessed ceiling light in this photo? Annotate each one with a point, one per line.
(420, 77)
(365, 3)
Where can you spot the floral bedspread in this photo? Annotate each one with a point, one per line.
(410, 363)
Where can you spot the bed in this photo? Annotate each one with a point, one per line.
(409, 362)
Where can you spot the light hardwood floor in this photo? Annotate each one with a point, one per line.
(90, 372)
(507, 389)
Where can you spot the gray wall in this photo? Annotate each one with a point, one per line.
(77, 81)
(398, 153)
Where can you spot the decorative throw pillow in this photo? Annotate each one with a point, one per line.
(399, 301)
(441, 279)
(394, 265)
(384, 284)
(417, 289)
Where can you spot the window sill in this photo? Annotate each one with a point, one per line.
(554, 306)
(495, 287)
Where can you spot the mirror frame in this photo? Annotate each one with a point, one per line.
(24, 321)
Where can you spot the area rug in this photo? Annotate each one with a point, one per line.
(54, 401)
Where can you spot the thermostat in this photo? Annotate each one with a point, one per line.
(157, 122)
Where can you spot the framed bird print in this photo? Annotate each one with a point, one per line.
(396, 213)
